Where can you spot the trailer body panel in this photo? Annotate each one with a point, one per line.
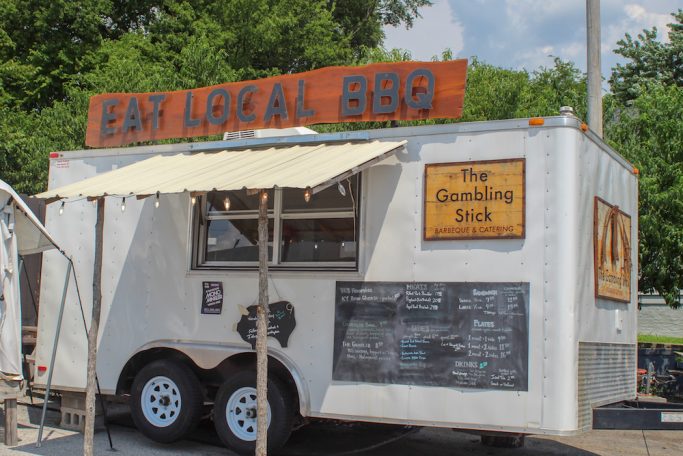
(152, 291)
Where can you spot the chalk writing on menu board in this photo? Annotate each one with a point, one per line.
(281, 323)
(469, 335)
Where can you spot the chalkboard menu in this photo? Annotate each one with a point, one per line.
(468, 335)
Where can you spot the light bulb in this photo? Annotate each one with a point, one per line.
(61, 208)
(307, 195)
(341, 189)
(194, 200)
(156, 202)
(226, 203)
(264, 196)
(123, 205)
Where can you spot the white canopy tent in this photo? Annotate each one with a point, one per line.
(21, 233)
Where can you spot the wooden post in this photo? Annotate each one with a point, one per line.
(11, 421)
(262, 330)
(92, 333)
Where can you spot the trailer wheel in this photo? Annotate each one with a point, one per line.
(234, 413)
(166, 401)
(503, 441)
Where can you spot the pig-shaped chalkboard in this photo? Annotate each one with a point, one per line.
(281, 323)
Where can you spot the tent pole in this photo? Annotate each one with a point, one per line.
(92, 334)
(54, 353)
(262, 330)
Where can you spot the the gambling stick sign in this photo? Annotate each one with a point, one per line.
(475, 200)
(378, 92)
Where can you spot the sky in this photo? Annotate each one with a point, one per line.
(527, 33)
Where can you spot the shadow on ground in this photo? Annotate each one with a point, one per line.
(332, 438)
(328, 438)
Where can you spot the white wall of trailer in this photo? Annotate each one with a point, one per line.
(152, 297)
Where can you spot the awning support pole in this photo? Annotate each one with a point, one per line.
(54, 354)
(89, 431)
(22, 267)
(262, 330)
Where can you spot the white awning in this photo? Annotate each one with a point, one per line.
(299, 166)
(32, 237)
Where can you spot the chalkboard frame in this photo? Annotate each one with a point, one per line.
(376, 351)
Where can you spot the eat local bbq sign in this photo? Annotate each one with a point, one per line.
(378, 92)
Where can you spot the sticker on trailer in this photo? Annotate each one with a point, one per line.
(672, 417)
(212, 298)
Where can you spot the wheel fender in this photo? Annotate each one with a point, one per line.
(208, 356)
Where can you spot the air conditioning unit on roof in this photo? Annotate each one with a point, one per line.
(267, 133)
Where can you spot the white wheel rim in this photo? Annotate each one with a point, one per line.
(240, 413)
(161, 401)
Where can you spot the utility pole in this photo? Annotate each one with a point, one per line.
(593, 66)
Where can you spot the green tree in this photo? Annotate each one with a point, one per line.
(649, 60)
(643, 121)
(55, 54)
(649, 132)
(42, 45)
(495, 93)
(47, 44)
(492, 93)
(549, 89)
(362, 20)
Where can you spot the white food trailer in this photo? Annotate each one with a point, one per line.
(478, 276)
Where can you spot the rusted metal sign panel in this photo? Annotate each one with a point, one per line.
(378, 92)
(612, 243)
(474, 200)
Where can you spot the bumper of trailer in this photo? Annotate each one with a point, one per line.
(639, 415)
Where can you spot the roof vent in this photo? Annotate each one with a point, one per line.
(242, 134)
(567, 111)
(267, 133)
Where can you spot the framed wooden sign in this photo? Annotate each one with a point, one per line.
(612, 252)
(378, 92)
(474, 200)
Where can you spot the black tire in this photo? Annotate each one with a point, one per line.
(503, 441)
(172, 419)
(281, 410)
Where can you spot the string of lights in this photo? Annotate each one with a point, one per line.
(308, 194)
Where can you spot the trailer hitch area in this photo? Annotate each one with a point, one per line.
(639, 415)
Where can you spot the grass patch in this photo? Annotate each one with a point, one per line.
(650, 339)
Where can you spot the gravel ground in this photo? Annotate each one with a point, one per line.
(330, 439)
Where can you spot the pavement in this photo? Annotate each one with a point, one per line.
(336, 439)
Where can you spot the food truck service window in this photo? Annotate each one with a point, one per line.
(320, 233)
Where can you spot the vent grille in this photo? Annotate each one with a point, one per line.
(607, 374)
(242, 134)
